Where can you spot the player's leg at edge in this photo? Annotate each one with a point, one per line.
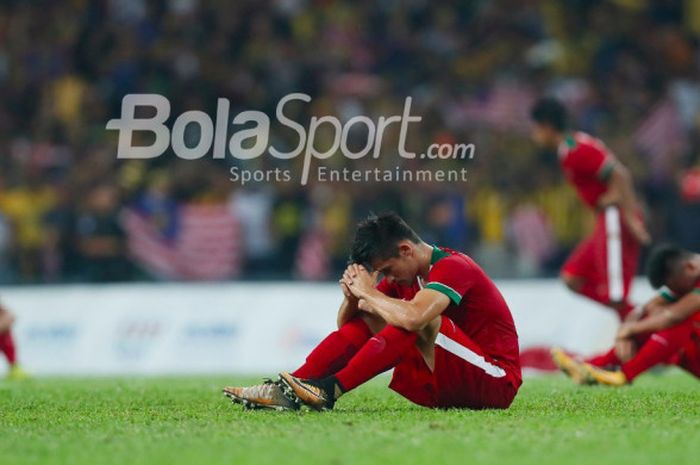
(7, 346)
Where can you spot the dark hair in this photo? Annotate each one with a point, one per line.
(550, 111)
(377, 238)
(663, 262)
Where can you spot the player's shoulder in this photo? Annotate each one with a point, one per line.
(446, 259)
(585, 138)
(582, 142)
(451, 273)
(581, 152)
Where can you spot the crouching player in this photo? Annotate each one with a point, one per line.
(7, 344)
(665, 330)
(435, 317)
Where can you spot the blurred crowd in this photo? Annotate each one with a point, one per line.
(627, 69)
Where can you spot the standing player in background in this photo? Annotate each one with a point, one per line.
(603, 265)
(7, 344)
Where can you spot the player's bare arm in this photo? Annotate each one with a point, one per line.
(671, 315)
(651, 307)
(348, 308)
(413, 315)
(655, 305)
(621, 193)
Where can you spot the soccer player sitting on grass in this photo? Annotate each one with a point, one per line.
(665, 330)
(435, 317)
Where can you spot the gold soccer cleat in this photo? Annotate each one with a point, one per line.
(268, 395)
(572, 368)
(16, 373)
(306, 392)
(606, 377)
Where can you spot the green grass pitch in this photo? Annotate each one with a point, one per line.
(188, 421)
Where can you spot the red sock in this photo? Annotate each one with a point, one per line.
(7, 347)
(659, 348)
(601, 360)
(335, 351)
(379, 354)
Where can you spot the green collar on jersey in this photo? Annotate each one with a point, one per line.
(570, 141)
(437, 254)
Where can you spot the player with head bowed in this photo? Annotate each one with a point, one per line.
(435, 317)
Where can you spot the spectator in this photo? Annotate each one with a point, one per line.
(100, 239)
(471, 68)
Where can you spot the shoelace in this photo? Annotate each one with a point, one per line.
(263, 390)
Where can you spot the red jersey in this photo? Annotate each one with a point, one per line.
(476, 305)
(587, 164)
